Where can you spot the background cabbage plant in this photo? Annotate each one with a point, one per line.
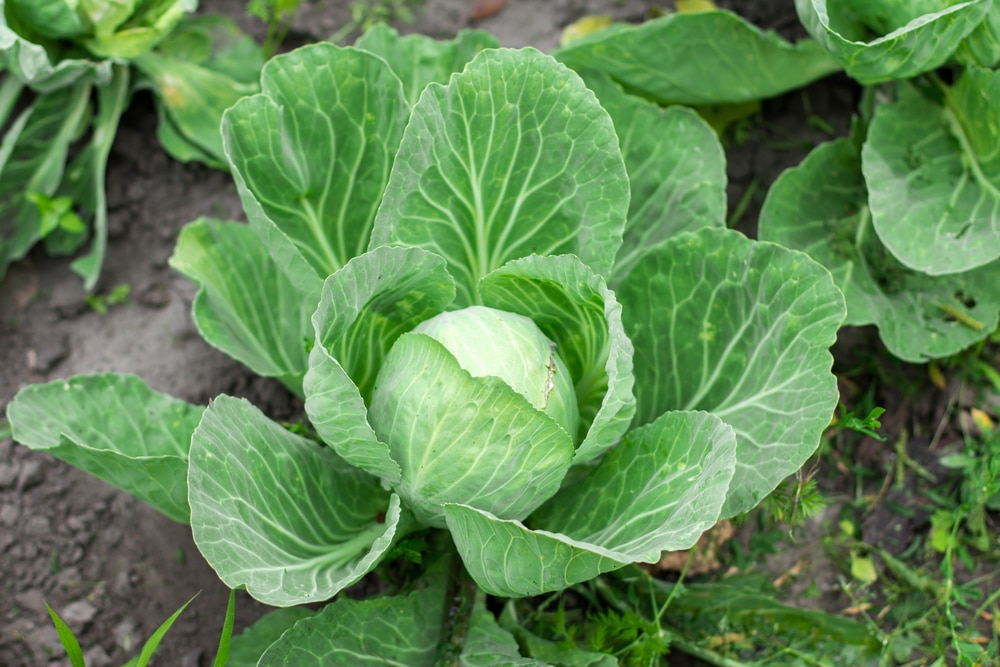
(402, 179)
(74, 65)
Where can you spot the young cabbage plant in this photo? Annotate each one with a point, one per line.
(82, 61)
(493, 341)
(906, 213)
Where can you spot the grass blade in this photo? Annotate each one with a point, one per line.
(222, 657)
(154, 640)
(67, 638)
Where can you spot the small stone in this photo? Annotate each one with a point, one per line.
(44, 640)
(112, 536)
(8, 474)
(127, 634)
(6, 448)
(75, 555)
(32, 474)
(37, 526)
(9, 514)
(78, 614)
(6, 539)
(76, 524)
(69, 577)
(51, 348)
(192, 658)
(32, 601)
(96, 656)
(121, 583)
(155, 296)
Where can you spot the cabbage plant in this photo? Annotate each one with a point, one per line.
(75, 65)
(906, 211)
(517, 320)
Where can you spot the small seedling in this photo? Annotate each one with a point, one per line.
(100, 303)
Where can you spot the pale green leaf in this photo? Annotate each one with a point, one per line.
(315, 149)
(513, 157)
(116, 428)
(364, 307)
(507, 559)
(459, 438)
(419, 60)
(659, 490)
(401, 631)
(879, 40)
(340, 417)
(576, 310)
(933, 175)
(246, 306)
(819, 207)
(248, 646)
(698, 58)
(740, 329)
(280, 514)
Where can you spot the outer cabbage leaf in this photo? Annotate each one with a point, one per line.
(280, 514)
(85, 176)
(576, 310)
(489, 645)
(364, 308)
(658, 490)
(246, 648)
(218, 57)
(742, 330)
(54, 19)
(32, 159)
(246, 306)
(398, 630)
(933, 174)
(459, 438)
(676, 167)
(879, 40)
(140, 33)
(115, 428)
(29, 62)
(513, 157)
(982, 46)
(419, 60)
(819, 207)
(215, 42)
(715, 57)
(194, 99)
(311, 154)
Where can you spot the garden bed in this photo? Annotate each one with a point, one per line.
(113, 567)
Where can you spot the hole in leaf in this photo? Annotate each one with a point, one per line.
(966, 301)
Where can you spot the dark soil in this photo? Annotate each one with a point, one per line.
(112, 567)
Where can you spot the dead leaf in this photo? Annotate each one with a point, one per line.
(706, 558)
(482, 9)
